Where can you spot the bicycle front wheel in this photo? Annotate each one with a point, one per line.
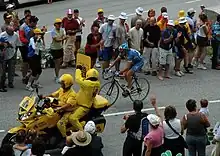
(110, 91)
(140, 90)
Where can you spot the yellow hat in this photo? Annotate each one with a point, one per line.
(181, 13)
(67, 79)
(58, 20)
(37, 31)
(92, 73)
(100, 10)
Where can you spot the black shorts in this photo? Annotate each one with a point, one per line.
(24, 53)
(202, 41)
(78, 39)
(35, 65)
(57, 54)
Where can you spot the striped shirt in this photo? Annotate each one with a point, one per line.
(216, 31)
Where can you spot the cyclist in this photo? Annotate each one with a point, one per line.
(135, 63)
(67, 100)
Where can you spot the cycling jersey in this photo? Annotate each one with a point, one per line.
(133, 56)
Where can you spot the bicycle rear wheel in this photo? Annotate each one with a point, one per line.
(141, 88)
(110, 91)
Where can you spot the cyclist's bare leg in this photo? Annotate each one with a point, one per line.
(128, 76)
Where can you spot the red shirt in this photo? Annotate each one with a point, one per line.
(72, 24)
(160, 17)
(92, 40)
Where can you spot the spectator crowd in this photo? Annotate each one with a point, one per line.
(163, 42)
(160, 40)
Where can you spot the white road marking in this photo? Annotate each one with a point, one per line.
(192, 1)
(144, 110)
(214, 101)
(128, 112)
(2, 131)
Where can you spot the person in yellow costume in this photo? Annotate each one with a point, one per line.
(89, 87)
(67, 101)
(182, 14)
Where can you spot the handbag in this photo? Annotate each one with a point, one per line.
(180, 138)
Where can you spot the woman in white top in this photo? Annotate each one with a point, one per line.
(202, 42)
(172, 141)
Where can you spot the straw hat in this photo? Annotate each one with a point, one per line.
(81, 138)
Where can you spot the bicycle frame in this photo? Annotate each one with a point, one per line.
(115, 81)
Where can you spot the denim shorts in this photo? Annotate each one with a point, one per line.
(106, 53)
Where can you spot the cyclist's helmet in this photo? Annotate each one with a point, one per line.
(123, 49)
(92, 74)
(67, 80)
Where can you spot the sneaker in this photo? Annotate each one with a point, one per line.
(29, 88)
(187, 70)
(147, 73)
(97, 65)
(194, 63)
(201, 66)
(37, 85)
(190, 66)
(3, 90)
(10, 85)
(25, 80)
(177, 73)
(16, 75)
(57, 80)
(181, 73)
(126, 93)
(154, 73)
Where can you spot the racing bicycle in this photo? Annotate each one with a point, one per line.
(110, 90)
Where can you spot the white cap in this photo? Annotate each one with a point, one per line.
(153, 119)
(202, 6)
(111, 17)
(191, 10)
(139, 10)
(165, 15)
(9, 6)
(90, 127)
(123, 16)
(69, 12)
(182, 20)
(171, 23)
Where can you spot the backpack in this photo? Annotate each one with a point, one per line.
(143, 130)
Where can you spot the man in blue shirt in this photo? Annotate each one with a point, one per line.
(135, 63)
(216, 44)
